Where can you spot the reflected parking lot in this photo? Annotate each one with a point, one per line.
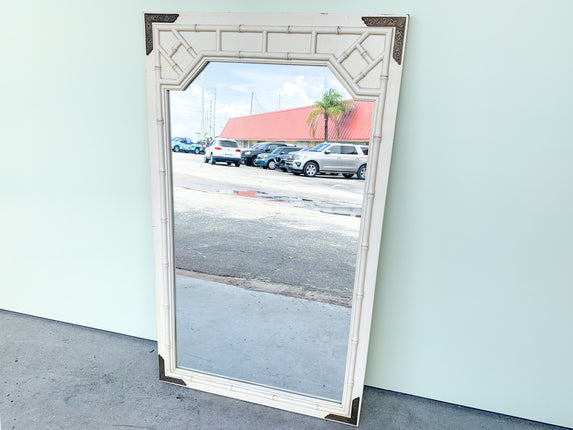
(266, 260)
(267, 226)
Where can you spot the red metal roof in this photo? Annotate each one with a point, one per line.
(290, 124)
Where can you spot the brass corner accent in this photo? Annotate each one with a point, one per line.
(399, 23)
(352, 420)
(150, 18)
(162, 376)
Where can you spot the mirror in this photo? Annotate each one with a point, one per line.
(265, 278)
(265, 257)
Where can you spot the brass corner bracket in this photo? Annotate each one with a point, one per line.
(399, 23)
(353, 419)
(162, 376)
(149, 19)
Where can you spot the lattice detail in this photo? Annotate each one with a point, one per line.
(363, 63)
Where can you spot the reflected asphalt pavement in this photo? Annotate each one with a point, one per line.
(190, 169)
(263, 242)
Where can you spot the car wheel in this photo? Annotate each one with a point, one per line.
(197, 150)
(361, 173)
(272, 165)
(212, 160)
(175, 149)
(310, 169)
(348, 175)
(284, 170)
(206, 160)
(238, 163)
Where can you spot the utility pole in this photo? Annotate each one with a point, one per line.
(203, 104)
(279, 102)
(252, 95)
(211, 118)
(214, 108)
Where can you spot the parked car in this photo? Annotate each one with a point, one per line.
(330, 157)
(198, 147)
(223, 150)
(181, 144)
(281, 159)
(249, 154)
(269, 159)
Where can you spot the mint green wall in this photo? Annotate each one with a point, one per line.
(473, 303)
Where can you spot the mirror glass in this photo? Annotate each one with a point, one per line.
(265, 236)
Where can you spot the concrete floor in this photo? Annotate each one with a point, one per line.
(61, 376)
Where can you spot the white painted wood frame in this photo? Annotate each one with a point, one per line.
(365, 54)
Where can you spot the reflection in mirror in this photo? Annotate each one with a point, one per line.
(266, 235)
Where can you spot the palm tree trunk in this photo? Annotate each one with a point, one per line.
(326, 127)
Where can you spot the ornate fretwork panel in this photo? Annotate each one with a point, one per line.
(360, 57)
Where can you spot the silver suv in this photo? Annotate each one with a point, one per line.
(329, 157)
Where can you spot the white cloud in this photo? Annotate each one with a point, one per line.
(295, 93)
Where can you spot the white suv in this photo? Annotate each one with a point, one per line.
(328, 157)
(223, 150)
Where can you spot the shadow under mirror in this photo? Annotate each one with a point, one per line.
(266, 219)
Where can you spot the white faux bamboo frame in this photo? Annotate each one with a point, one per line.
(177, 52)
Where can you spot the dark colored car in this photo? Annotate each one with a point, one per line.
(249, 154)
(269, 160)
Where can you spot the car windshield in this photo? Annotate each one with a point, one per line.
(287, 150)
(256, 146)
(277, 150)
(320, 147)
(228, 143)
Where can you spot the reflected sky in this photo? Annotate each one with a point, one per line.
(230, 87)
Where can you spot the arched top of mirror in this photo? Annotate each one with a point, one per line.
(359, 57)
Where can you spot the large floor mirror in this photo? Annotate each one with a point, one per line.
(270, 149)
